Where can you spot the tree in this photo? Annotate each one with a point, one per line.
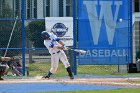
(6, 27)
(33, 33)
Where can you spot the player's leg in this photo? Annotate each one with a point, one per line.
(64, 60)
(2, 70)
(1, 78)
(1, 73)
(54, 65)
(70, 72)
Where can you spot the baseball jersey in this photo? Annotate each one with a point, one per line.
(51, 43)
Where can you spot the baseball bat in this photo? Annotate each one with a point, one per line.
(78, 50)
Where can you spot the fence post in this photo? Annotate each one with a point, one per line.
(74, 35)
(23, 38)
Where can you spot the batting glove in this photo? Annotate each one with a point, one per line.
(64, 47)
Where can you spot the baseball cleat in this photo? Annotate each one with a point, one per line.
(71, 77)
(45, 77)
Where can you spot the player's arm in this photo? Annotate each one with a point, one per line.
(62, 45)
(5, 58)
(59, 45)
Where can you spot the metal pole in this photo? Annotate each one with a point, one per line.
(23, 38)
(131, 32)
(74, 35)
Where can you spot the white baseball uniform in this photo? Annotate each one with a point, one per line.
(56, 54)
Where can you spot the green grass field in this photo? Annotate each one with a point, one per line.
(100, 91)
(42, 68)
(39, 69)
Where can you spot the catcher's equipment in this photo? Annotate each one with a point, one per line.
(45, 35)
(2, 69)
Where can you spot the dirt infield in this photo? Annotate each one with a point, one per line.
(129, 82)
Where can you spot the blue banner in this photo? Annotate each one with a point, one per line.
(104, 31)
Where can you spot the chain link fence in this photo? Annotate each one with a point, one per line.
(37, 58)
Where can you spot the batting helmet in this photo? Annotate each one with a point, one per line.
(45, 35)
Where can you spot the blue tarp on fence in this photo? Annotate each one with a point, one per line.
(105, 31)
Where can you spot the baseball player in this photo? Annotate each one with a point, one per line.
(56, 47)
(3, 66)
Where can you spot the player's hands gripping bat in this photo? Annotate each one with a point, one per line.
(76, 50)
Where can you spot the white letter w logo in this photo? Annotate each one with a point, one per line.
(106, 13)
